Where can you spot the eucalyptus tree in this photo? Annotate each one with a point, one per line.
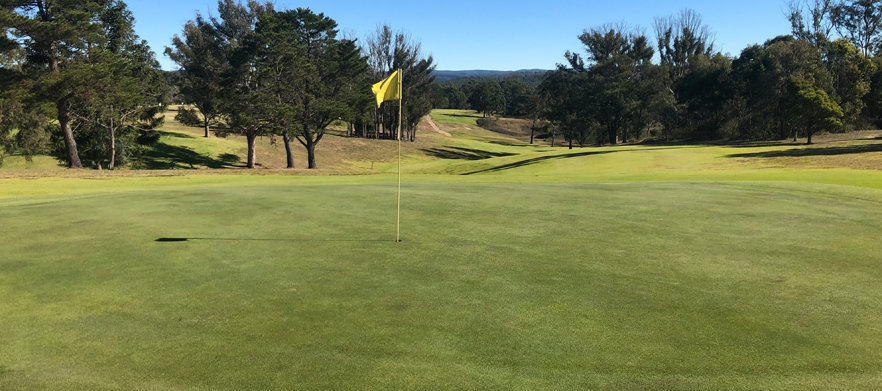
(861, 22)
(812, 20)
(517, 96)
(681, 39)
(486, 97)
(684, 44)
(616, 61)
(851, 74)
(762, 75)
(387, 51)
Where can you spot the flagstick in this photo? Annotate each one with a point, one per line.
(400, 107)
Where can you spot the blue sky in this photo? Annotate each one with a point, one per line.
(494, 34)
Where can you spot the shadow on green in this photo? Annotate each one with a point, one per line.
(827, 151)
(464, 153)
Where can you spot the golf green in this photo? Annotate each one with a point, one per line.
(287, 285)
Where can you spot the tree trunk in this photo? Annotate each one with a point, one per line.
(251, 154)
(288, 152)
(809, 141)
(73, 158)
(571, 144)
(532, 130)
(611, 131)
(310, 154)
(112, 147)
(206, 125)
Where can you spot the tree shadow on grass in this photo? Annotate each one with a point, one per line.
(464, 115)
(175, 134)
(760, 144)
(464, 153)
(717, 143)
(799, 152)
(178, 239)
(167, 157)
(527, 162)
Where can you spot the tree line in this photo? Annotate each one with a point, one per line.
(77, 82)
(256, 71)
(825, 76)
(674, 85)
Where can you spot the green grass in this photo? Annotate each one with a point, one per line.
(565, 285)
(752, 266)
(453, 116)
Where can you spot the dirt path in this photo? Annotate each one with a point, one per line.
(434, 127)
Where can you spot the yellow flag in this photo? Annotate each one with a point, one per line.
(388, 89)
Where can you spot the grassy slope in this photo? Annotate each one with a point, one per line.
(629, 267)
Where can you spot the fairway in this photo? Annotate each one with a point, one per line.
(286, 283)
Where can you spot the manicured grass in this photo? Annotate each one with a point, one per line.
(453, 116)
(738, 285)
(656, 267)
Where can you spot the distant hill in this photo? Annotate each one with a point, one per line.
(523, 74)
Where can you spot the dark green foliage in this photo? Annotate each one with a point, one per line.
(762, 75)
(517, 95)
(84, 59)
(872, 113)
(22, 131)
(705, 96)
(486, 97)
(817, 111)
(54, 34)
(242, 100)
(202, 52)
(120, 91)
(564, 94)
(456, 98)
(460, 78)
(616, 66)
(851, 72)
(188, 117)
(148, 137)
(304, 77)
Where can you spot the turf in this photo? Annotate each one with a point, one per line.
(630, 267)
